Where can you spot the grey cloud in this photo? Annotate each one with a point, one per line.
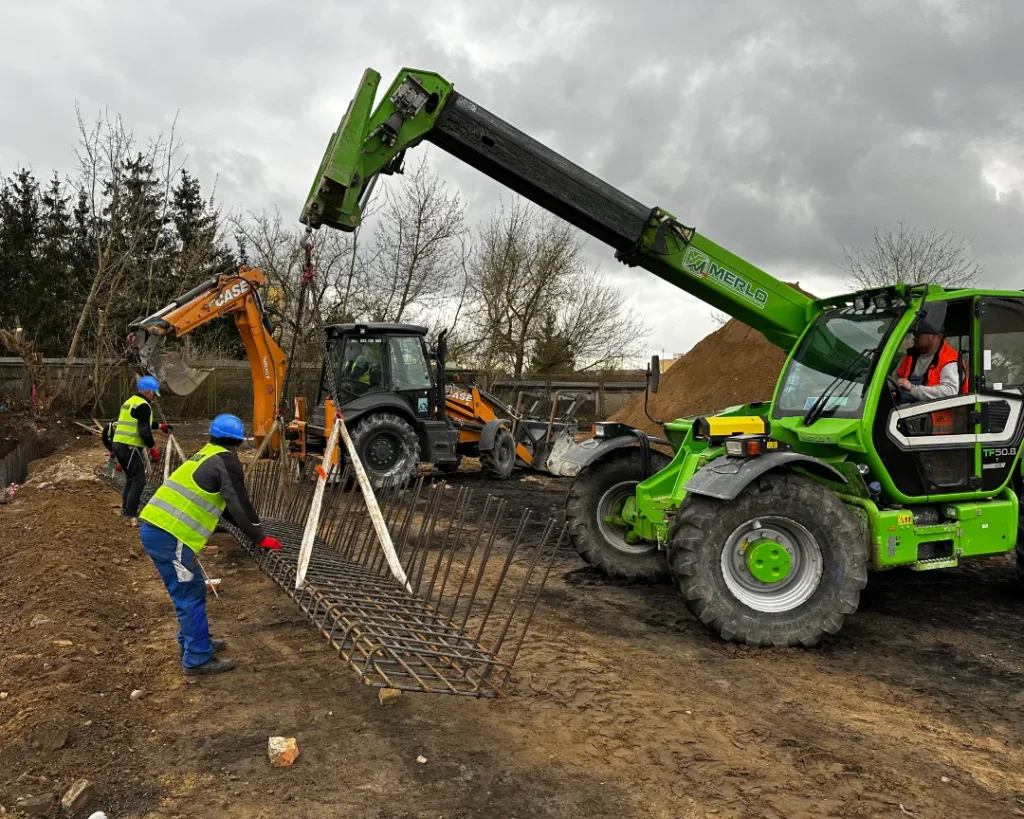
(779, 128)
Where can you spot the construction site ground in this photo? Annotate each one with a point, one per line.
(622, 705)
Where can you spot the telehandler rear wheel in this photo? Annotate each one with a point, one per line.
(500, 459)
(781, 565)
(598, 494)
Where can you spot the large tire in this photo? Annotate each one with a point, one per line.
(810, 566)
(500, 459)
(387, 447)
(594, 494)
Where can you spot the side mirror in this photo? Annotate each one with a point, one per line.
(654, 374)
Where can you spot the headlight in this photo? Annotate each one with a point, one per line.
(747, 446)
(734, 448)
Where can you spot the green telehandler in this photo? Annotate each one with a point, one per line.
(768, 517)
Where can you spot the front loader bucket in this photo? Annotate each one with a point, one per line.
(169, 368)
(559, 460)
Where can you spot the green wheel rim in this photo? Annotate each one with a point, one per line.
(751, 556)
(768, 561)
(609, 507)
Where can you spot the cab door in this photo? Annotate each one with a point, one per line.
(934, 447)
(1001, 388)
(410, 373)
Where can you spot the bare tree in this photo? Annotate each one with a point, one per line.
(517, 278)
(718, 318)
(906, 255)
(124, 222)
(530, 285)
(598, 330)
(337, 291)
(420, 248)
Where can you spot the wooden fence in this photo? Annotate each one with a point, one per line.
(229, 389)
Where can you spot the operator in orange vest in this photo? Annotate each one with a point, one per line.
(931, 369)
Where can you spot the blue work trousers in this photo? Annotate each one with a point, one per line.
(184, 580)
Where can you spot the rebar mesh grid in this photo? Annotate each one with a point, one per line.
(474, 592)
(474, 589)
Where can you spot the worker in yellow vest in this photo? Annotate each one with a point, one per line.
(133, 430)
(178, 521)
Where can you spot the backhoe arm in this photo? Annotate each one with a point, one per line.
(421, 105)
(237, 295)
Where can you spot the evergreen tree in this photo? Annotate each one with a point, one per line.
(552, 352)
(59, 273)
(19, 244)
(139, 229)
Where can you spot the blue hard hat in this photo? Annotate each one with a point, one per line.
(148, 382)
(227, 426)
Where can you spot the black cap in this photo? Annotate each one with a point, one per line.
(934, 318)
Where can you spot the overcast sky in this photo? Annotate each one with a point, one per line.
(778, 129)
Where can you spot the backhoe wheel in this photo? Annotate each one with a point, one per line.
(597, 494)
(781, 565)
(387, 447)
(501, 458)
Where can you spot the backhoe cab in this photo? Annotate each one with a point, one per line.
(402, 411)
(390, 397)
(767, 516)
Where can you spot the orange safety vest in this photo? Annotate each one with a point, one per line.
(946, 355)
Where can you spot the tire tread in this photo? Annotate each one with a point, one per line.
(693, 569)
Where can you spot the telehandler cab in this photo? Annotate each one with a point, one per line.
(769, 516)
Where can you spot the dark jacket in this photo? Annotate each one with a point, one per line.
(223, 473)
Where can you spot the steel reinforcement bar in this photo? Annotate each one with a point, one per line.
(474, 591)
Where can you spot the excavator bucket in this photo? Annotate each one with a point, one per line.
(169, 367)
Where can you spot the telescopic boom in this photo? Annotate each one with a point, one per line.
(420, 105)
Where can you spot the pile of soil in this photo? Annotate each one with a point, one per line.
(733, 365)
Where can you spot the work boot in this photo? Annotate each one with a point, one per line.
(212, 666)
(217, 645)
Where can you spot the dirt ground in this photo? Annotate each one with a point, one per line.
(622, 705)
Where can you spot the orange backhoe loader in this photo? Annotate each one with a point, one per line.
(400, 411)
(503, 437)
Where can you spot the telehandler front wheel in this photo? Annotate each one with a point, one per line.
(781, 565)
(595, 500)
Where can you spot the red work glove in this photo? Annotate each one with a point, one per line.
(270, 543)
(164, 427)
(117, 467)
(154, 453)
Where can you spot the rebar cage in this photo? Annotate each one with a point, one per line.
(475, 572)
(474, 587)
